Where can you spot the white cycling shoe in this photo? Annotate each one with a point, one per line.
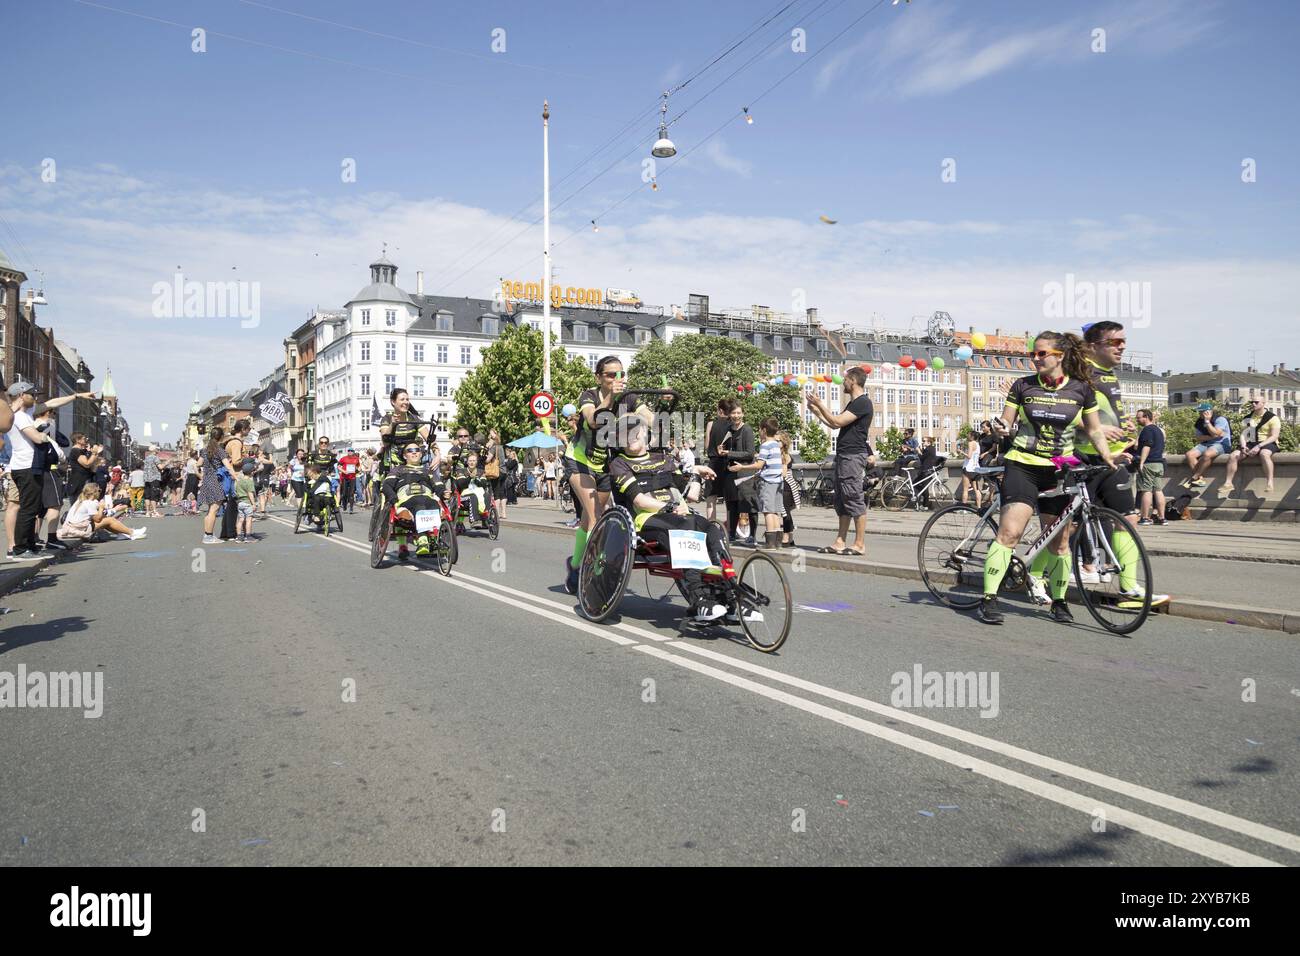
(752, 616)
(1136, 594)
(706, 612)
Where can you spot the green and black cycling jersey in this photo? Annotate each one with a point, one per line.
(405, 482)
(1048, 418)
(655, 473)
(587, 447)
(402, 434)
(324, 460)
(1110, 408)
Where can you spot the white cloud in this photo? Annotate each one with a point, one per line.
(716, 151)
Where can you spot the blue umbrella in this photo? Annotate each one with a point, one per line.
(535, 440)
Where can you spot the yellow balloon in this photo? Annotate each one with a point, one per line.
(803, 379)
(979, 340)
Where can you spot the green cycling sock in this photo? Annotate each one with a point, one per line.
(579, 546)
(1059, 575)
(995, 566)
(1126, 551)
(1038, 567)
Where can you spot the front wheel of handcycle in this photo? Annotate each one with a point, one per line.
(297, 518)
(763, 602)
(606, 565)
(338, 520)
(1121, 601)
(377, 513)
(444, 547)
(950, 554)
(493, 524)
(379, 544)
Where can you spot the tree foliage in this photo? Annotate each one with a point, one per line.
(702, 369)
(890, 445)
(1180, 430)
(496, 393)
(814, 443)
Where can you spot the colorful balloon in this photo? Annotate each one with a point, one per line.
(979, 340)
(866, 369)
(905, 361)
(760, 387)
(837, 379)
(568, 411)
(921, 365)
(964, 352)
(937, 363)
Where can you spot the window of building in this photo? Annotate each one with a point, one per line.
(365, 385)
(821, 344)
(442, 355)
(611, 335)
(390, 317)
(390, 383)
(535, 324)
(365, 420)
(879, 397)
(390, 351)
(442, 322)
(365, 351)
(365, 316)
(418, 351)
(782, 367)
(777, 343)
(642, 336)
(821, 392)
(796, 343)
(443, 388)
(592, 359)
(876, 353)
(1210, 394)
(465, 354)
(976, 381)
(490, 325)
(851, 348)
(758, 340)
(417, 386)
(1178, 398)
(821, 368)
(579, 332)
(891, 396)
(977, 404)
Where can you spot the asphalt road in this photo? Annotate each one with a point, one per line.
(492, 725)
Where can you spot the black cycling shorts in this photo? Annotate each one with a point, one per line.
(603, 482)
(1114, 489)
(1023, 483)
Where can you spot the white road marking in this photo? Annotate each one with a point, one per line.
(1185, 839)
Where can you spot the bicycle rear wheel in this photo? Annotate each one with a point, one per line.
(895, 493)
(1118, 556)
(442, 548)
(379, 545)
(950, 554)
(376, 514)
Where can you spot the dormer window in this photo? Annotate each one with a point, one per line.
(642, 336)
(851, 348)
(796, 343)
(579, 331)
(821, 345)
(490, 325)
(442, 322)
(611, 335)
(777, 343)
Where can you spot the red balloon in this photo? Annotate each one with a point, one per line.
(921, 365)
(905, 361)
(866, 369)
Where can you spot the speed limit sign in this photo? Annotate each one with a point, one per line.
(542, 404)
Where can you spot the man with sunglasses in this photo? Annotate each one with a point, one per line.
(1259, 433)
(461, 448)
(411, 488)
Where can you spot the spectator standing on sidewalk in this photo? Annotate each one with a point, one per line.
(233, 462)
(190, 493)
(30, 479)
(852, 452)
(49, 457)
(790, 494)
(717, 488)
(737, 447)
(770, 467)
(211, 494)
(246, 498)
(1151, 468)
(137, 488)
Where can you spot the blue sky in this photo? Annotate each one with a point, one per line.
(1115, 166)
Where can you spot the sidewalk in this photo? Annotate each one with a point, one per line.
(1206, 571)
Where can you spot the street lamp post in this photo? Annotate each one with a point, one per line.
(546, 246)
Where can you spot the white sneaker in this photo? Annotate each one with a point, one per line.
(752, 616)
(1135, 594)
(209, 539)
(1087, 577)
(1038, 590)
(706, 612)
(138, 533)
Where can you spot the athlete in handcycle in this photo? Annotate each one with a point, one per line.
(469, 499)
(638, 531)
(412, 498)
(320, 503)
(396, 429)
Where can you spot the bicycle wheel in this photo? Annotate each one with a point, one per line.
(325, 522)
(493, 525)
(443, 547)
(941, 495)
(951, 552)
(1100, 541)
(379, 545)
(895, 493)
(338, 520)
(297, 518)
(763, 602)
(606, 565)
(376, 515)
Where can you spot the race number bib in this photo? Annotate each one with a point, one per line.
(426, 520)
(688, 549)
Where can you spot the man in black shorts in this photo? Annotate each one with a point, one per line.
(852, 451)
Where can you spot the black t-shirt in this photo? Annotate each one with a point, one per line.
(654, 473)
(717, 428)
(988, 447)
(853, 437)
(1151, 436)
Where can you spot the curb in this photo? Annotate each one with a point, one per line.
(15, 577)
(1271, 619)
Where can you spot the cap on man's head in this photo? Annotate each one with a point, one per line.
(1204, 406)
(20, 388)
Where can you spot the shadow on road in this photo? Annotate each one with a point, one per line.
(1076, 851)
(12, 638)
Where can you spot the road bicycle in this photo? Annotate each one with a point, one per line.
(903, 489)
(955, 542)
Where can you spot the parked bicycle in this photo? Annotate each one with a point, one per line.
(903, 489)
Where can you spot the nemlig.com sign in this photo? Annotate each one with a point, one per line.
(560, 295)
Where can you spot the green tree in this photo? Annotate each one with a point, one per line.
(775, 401)
(814, 443)
(1289, 439)
(1179, 426)
(496, 393)
(890, 445)
(965, 434)
(702, 369)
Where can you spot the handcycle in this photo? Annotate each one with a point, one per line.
(462, 509)
(757, 598)
(903, 489)
(377, 481)
(435, 522)
(955, 542)
(330, 514)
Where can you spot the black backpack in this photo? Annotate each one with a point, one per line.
(1177, 509)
